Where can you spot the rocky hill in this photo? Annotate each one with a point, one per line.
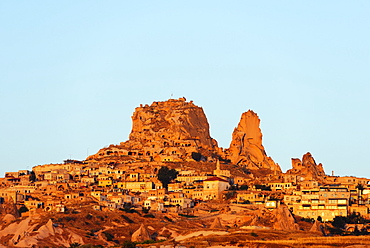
(173, 130)
(178, 131)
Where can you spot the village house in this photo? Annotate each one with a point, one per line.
(12, 195)
(280, 186)
(250, 197)
(155, 194)
(360, 209)
(308, 184)
(189, 177)
(51, 204)
(154, 205)
(32, 204)
(75, 196)
(241, 181)
(104, 181)
(99, 195)
(135, 186)
(88, 180)
(212, 188)
(326, 202)
(178, 199)
(175, 187)
(289, 200)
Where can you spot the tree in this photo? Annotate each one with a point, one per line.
(128, 244)
(198, 157)
(360, 189)
(339, 222)
(75, 245)
(262, 187)
(166, 175)
(244, 187)
(23, 209)
(32, 176)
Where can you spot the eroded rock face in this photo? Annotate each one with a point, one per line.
(176, 131)
(279, 219)
(141, 234)
(177, 122)
(307, 168)
(26, 234)
(167, 131)
(246, 147)
(284, 219)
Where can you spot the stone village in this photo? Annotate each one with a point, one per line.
(174, 134)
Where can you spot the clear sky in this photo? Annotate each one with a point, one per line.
(72, 72)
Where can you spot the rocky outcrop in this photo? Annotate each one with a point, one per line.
(26, 234)
(216, 224)
(172, 121)
(246, 147)
(177, 130)
(141, 234)
(284, 219)
(279, 219)
(8, 218)
(307, 168)
(172, 130)
(317, 227)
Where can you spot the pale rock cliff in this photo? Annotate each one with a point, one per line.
(246, 147)
(167, 131)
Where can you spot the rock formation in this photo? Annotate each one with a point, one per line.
(216, 224)
(8, 218)
(176, 131)
(317, 227)
(284, 219)
(26, 234)
(246, 147)
(141, 234)
(172, 130)
(279, 219)
(307, 168)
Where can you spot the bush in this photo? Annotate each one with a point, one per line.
(339, 222)
(74, 245)
(91, 246)
(166, 175)
(244, 187)
(127, 219)
(145, 210)
(149, 216)
(309, 220)
(170, 220)
(108, 236)
(23, 209)
(128, 244)
(187, 216)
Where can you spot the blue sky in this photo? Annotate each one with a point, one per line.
(72, 72)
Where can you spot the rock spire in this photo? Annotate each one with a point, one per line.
(246, 147)
(307, 168)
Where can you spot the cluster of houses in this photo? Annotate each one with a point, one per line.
(57, 187)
